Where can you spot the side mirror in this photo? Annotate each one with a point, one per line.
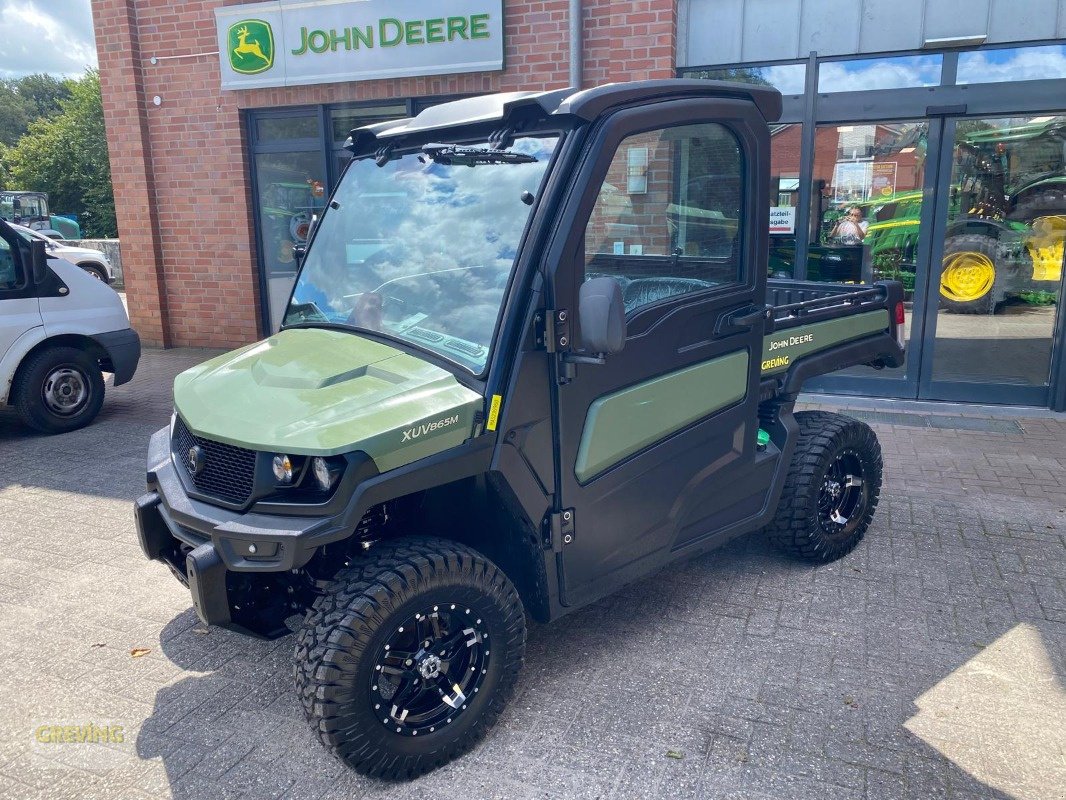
(39, 261)
(602, 316)
(298, 252)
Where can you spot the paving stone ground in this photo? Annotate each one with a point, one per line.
(927, 664)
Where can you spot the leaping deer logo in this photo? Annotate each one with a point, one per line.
(251, 44)
(245, 46)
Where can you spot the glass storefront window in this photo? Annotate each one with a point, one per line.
(786, 78)
(1012, 64)
(342, 120)
(292, 190)
(285, 128)
(1003, 251)
(864, 74)
(866, 201)
(866, 205)
(786, 145)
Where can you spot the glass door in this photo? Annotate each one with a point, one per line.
(870, 219)
(999, 241)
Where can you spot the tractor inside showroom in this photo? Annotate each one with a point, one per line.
(1009, 215)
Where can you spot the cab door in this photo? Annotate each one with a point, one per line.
(19, 306)
(657, 445)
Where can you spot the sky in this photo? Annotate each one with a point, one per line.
(52, 36)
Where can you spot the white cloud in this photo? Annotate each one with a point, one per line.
(1031, 63)
(55, 37)
(888, 73)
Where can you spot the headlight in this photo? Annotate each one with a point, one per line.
(283, 469)
(326, 472)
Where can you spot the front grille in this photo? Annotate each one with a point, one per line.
(227, 472)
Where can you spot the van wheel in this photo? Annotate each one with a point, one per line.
(59, 389)
(410, 656)
(831, 490)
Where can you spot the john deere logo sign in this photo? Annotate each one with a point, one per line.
(251, 46)
(302, 42)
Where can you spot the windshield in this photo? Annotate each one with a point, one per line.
(421, 248)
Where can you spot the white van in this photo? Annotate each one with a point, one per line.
(60, 330)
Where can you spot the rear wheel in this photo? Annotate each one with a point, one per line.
(410, 656)
(831, 490)
(968, 276)
(59, 389)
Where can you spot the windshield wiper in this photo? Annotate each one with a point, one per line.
(471, 156)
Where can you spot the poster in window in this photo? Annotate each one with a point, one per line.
(851, 181)
(883, 180)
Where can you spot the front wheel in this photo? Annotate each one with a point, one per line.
(95, 271)
(831, 490)
(410, 656)
(59, 389)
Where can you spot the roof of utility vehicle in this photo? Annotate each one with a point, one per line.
(584, 104)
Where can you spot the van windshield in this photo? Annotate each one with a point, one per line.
(421, 248)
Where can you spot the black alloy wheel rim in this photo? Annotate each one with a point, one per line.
(429, 669)
(843, 495)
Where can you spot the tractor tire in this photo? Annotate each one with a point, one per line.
(831, 490)
(394, 667)
(58, 389)
(969, 273)
(1050, 202)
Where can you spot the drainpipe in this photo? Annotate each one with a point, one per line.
(575, 44)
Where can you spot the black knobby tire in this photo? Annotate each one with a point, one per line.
(1047, 203)
(342, 646)
(37, 397)
(827, 441)
(980, 246)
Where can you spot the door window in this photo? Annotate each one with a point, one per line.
(667, 216)
(11, 277)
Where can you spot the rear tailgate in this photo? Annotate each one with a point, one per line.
(815, 328)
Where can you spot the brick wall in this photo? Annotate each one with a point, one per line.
(182, 182)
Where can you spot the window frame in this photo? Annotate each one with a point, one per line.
(24, 288)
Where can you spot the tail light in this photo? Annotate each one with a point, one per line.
(901, 319)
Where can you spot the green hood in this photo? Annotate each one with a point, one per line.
(321, 392)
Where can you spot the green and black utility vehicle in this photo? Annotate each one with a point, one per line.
(531, 355)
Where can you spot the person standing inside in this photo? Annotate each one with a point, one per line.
(851, 229)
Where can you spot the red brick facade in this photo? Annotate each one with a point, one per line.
(180, 169)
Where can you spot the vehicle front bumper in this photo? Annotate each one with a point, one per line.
(201, 543)
(124, 349)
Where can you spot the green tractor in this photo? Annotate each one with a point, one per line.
(1007, 219)
(1009, 216)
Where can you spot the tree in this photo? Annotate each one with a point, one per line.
(43, 94)
(14, 114)
(23, 100)
(66, 156)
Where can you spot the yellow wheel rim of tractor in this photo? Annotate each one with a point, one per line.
(967, 277)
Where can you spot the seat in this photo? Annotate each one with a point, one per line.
(642, 291)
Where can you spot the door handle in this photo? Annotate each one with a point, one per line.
(749, 318)
(744, 319)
